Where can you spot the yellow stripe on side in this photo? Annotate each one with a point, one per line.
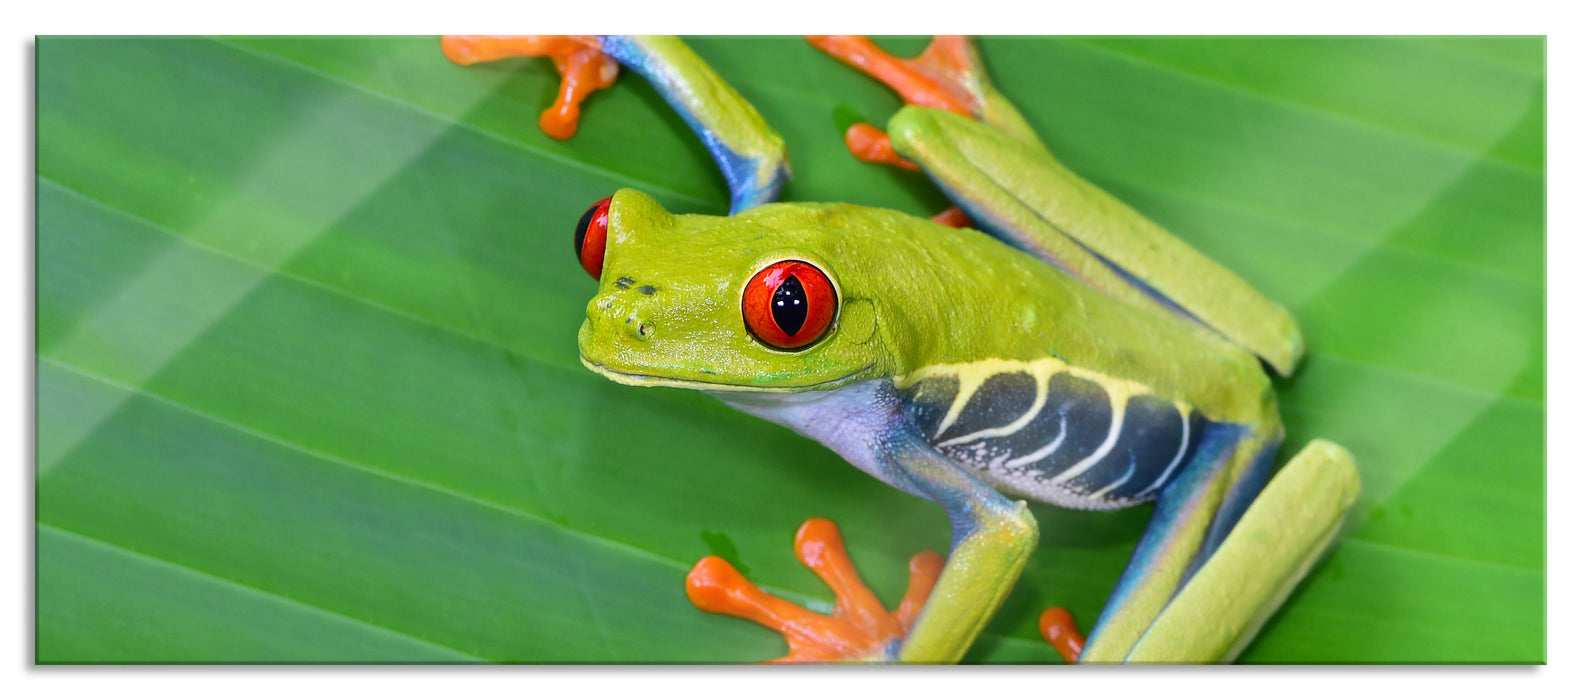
(971, 376)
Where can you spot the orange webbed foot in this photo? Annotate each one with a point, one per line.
(859, 628)
(583, 68)
(1060, 630)
(945, 75)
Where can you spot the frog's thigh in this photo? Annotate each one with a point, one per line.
(1239, 494)
(1025, 197)
(1180, 527)
(970, 162)
(1272, 547)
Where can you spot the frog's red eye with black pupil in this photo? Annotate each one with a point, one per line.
(789, 305)
(589, 241)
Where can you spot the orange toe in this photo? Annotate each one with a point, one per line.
(860, 627)
(944, 76)
(870, 145)
(1060, 630)
(584, 69)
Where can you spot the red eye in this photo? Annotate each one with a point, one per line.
(589, 242)
(789, 305)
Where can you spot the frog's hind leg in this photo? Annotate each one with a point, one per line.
(1025, 197)
(973, 143)
(1270, 549)
(871, 145)
(1210, 568)
(944, 76)
(1057, 625)
(948, 75)
(1182, 517)
(1239, 494)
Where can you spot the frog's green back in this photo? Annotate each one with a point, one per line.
(951, 296)
(913, 295)
(1021, 193)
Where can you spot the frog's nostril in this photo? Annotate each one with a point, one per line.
(638, 328)
(619, 314)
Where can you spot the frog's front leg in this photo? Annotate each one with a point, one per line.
(991, 536)
(991, 540)
(750, 155)
(858, 629)
(584, 69)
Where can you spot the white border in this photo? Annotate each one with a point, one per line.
(746, 17)
(979, 16)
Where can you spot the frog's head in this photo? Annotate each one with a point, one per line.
(755, 302)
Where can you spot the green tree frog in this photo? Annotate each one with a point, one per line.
(1063, 349)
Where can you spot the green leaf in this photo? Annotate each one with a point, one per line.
(308, 387)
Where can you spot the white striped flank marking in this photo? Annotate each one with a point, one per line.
(1130, 470)
(1044, 451)
(971, 375)
(1118, 401)
(1021, 422)
(964, 392)
(1186, 439)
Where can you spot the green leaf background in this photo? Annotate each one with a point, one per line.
(308, 387)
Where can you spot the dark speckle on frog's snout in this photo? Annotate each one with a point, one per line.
(621, 306)
(625, 282)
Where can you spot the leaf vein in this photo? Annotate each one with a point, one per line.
(274, 595)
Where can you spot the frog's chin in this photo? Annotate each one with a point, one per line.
(641, 379)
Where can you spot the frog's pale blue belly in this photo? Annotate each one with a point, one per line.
(1054, 433)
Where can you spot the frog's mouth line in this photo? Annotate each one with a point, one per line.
(634, 379)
